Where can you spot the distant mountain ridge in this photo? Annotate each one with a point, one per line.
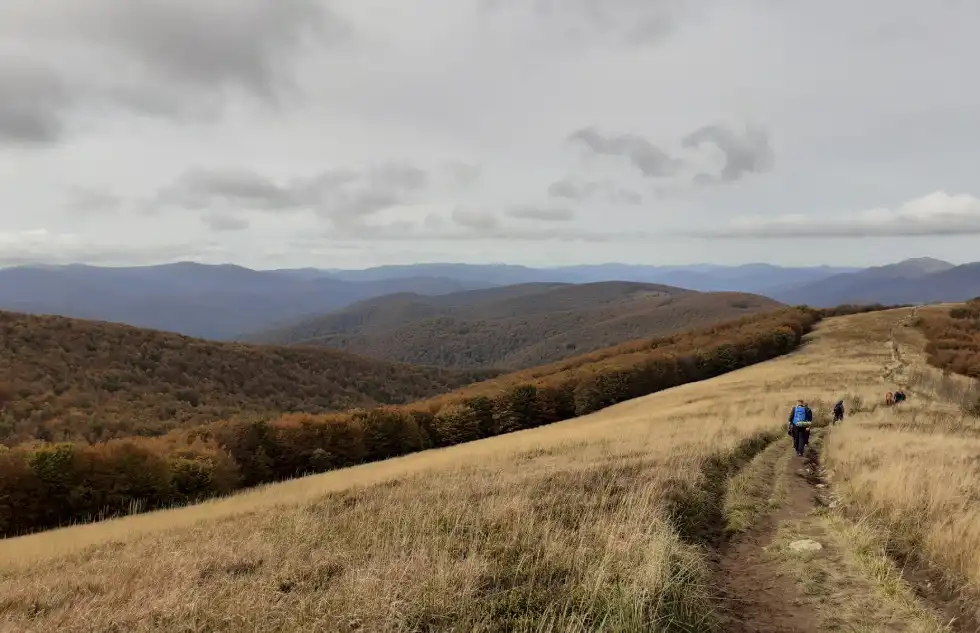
(215, 302)
(755, 278)
(222, 302)
(514, 326)
(914, 281)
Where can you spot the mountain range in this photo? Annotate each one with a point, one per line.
(225, 302)
(912, 281)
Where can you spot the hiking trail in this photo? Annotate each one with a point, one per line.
(760, 597)
(803, 568)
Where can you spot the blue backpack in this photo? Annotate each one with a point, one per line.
(799, 414)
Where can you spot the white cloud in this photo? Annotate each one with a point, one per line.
(935, 214)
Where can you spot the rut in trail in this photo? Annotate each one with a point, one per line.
(760, 597)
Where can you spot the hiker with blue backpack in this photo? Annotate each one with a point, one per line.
(800, 419)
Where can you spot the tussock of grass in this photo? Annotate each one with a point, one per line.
(866, 549)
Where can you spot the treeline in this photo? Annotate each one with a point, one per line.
(47, 485)
(953, 338)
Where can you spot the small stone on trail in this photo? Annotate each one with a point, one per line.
(805, 545)
(821, 485)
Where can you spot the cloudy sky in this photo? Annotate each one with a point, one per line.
(352, 133)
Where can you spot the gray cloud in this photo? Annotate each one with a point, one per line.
(462, 175)
(744, 154)
(477, 220)
(31, 97)
(235, 42)
(652, 161)
(92, 200)
(401, 176)
(936, 214)
(569, 189)
(200, 188)
(618, 22)
(164, 58)
(344, 197)
(541, 213)
(224, 222)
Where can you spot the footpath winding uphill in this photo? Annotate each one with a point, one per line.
(685, 510)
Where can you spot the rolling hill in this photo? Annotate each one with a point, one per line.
(913, 281)
(514, 326)
(215, 302)
(684, 510)
(69, 379)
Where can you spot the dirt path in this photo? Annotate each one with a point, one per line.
(760, 596)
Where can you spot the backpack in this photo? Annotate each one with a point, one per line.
(799, 414)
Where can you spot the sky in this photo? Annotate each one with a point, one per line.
(353, 133)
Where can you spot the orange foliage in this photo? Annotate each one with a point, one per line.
(954, 338)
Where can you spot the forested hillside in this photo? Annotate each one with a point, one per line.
(67, 379)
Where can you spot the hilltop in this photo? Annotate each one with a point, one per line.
(515, 326)
(215, 302)
(64, 378)
(680, 510)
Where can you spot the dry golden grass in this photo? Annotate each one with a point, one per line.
(914, 470)
(911, 473)
(582, 525)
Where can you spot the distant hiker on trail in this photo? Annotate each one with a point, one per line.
(889, 399)
(799, 426)
(838, 412)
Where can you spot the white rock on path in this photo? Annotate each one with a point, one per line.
(805, 545)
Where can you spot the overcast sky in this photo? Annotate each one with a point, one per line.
(275, 133)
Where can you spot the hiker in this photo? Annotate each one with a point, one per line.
(799, 421)
(838, 412)
(889, 399)
(899, 396)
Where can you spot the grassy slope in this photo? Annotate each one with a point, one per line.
(516, 326)
(68, 379)
(911, 470)
(580, 525)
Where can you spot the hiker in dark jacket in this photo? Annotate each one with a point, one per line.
(839, 411)
(799, 426)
